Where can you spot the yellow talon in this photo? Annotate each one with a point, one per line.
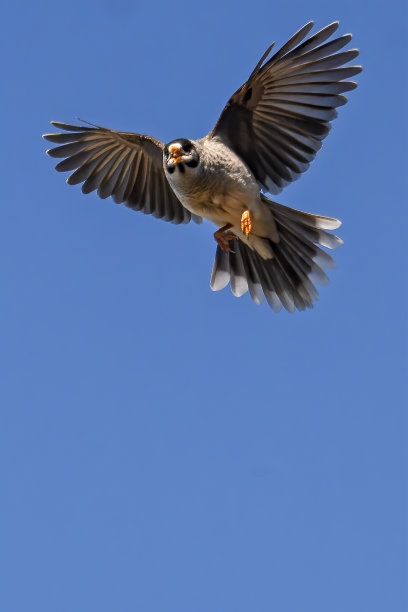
(246, 222)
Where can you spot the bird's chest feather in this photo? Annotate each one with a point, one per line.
(216, 202)
(217, 192)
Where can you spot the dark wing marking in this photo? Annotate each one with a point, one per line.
(276, 121)
(126, 166)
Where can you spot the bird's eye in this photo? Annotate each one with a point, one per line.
(187, 147)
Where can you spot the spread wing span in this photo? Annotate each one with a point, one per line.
(124, 165)
(277, 120)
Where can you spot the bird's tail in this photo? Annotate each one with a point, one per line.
(288, 279)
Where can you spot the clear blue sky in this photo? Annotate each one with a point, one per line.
(164, 448)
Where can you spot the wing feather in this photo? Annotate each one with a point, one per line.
(126, 166)
(276, 121)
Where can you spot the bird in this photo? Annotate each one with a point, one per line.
(266, 137)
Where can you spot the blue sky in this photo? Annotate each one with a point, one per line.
(164, 448)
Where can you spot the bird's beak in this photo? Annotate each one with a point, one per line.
(176, 153)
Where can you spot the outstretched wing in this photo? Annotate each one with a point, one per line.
(276, 121)
(126, 166)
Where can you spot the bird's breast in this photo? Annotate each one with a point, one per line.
(221, 204)
(219, 189)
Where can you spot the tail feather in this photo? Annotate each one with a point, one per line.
(317, 221)
(288, 279)
(253, 278)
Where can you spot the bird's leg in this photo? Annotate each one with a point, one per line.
(222, 238)
(246, 222)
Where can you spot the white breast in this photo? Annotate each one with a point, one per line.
(220, 188)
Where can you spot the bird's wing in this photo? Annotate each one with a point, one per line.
(126, 166)
(276, 121)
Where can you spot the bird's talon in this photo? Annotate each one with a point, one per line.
(223, 239)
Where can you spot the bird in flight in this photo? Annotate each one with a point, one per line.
(267, 135)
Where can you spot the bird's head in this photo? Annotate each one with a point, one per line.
(179, 155)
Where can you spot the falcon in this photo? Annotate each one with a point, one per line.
(267, 135)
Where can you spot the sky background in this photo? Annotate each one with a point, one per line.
(164, 448)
